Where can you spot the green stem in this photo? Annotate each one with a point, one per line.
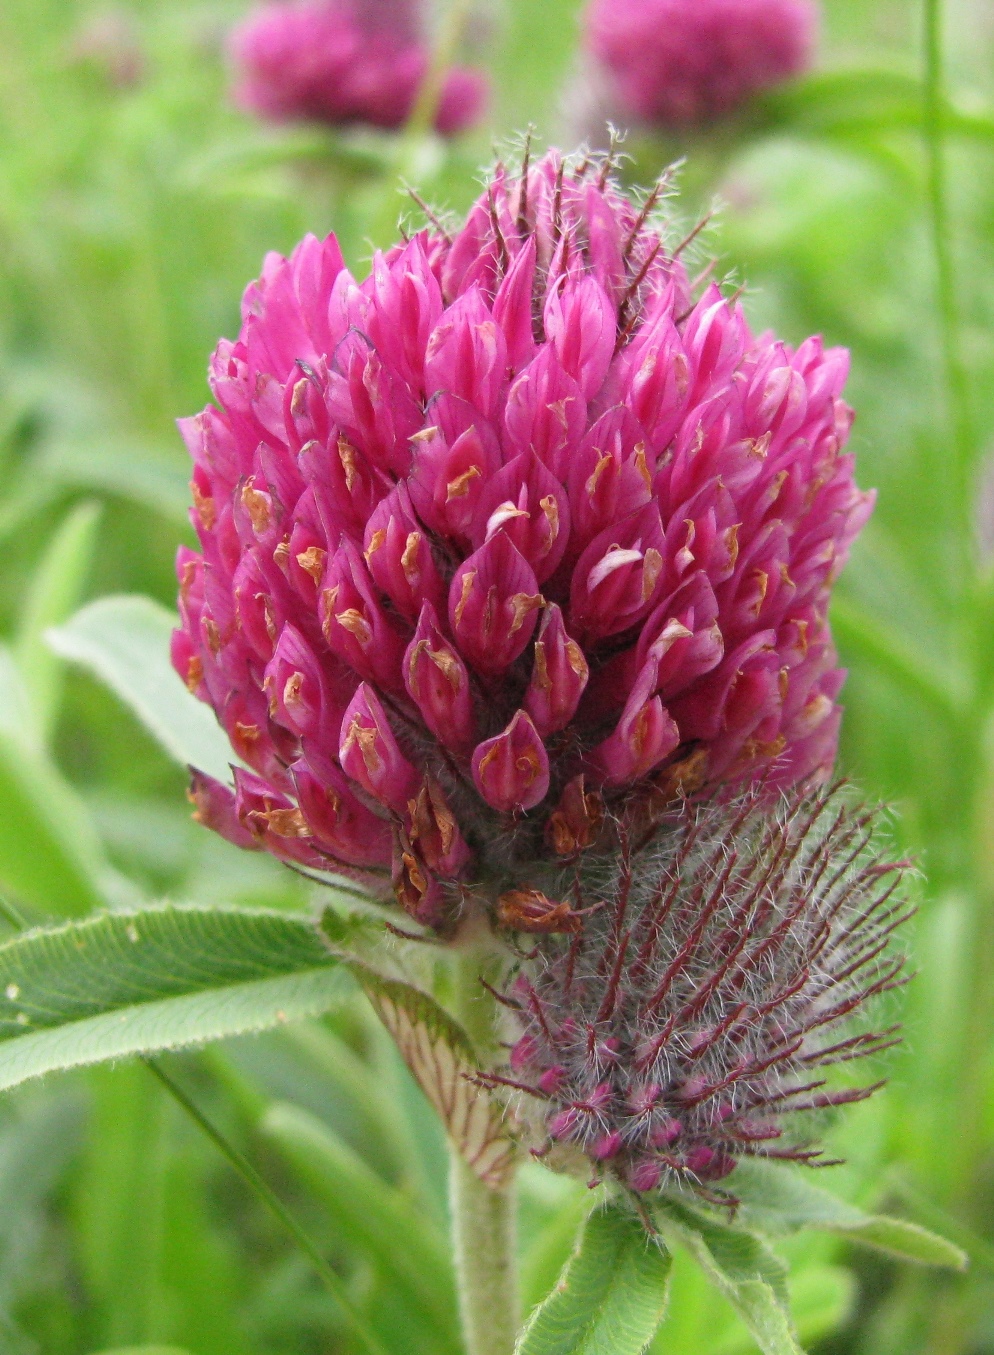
(275, 1206)
(483, 1220)
(443, 54)
(934, 128)
(980, 1002)
(483, 1235)
(417, 153)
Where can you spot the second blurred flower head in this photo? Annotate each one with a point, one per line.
(346, 61)
(680, 63)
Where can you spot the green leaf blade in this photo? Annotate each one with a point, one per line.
(779, 1199)
(53, 594)
(611, 1297)
(124, 641)
(139, 983)
(908, 1242)
(741, 1267)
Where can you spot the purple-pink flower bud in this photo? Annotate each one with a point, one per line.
(558, 678)
(511, 771)
(370, 755)
(399, 556)
(435, 832)
(438, 682)
(493, 602)
(526, 503)
(645, 735)
(339, 821)
(353, 620)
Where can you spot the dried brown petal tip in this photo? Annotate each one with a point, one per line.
(528, 910)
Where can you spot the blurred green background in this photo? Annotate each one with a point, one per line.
(134, 206)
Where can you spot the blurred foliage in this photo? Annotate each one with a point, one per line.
(134, 206)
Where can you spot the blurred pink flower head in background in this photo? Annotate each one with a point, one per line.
(521, 530)
(345, 61)
(682, 62)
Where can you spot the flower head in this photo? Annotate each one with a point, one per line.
(345, 61)
(689, 1019)
(520, 529)
(679, 62)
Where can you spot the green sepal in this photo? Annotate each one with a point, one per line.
(441, 1057)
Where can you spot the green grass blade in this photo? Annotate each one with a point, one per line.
(144, 1350)
(399, 1240)
(50, 856)
(875, 642)
(145, 473)
(276, 1206)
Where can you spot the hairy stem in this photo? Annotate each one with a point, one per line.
(483, 1220)
(483, 1239)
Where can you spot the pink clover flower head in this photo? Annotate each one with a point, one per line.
(698, 1011)
(518, 532)
(345, 61)
(682, 62)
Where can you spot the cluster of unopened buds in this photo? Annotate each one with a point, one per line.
(502, 551)
(692, 1014)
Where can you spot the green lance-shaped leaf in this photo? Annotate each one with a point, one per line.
(742, 1267)
(162, 978)
(54, 592)
(843, 102)
(140, 470)
(779, 1199)
(442, 1059)
(50, 855)
(124, 641)
(611, 1297)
